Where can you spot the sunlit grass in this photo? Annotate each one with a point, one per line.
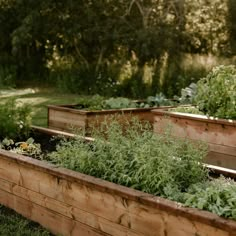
(39, 101)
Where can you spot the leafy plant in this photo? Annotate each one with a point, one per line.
(188, 94)
(217, 196)
(28, 148)
(188, 109)
(159, 100)
(92, 103)
(15, 120)
(135, 157)
(216, 94)
(97, 102)
(119, 103)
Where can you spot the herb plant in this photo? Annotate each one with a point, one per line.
(154, 163)
(217, 196)
(136, 157)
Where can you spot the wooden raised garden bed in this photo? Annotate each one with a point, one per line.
(66, 117)
(220, 134)
(70, 203)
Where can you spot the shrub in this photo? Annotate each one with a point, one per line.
(216, 94)
(136, 157)
(15, 120)
(218, 197)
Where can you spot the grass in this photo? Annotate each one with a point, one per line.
(39, 101)
(12, 224)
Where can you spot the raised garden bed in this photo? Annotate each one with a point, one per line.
(70, 203)
(220, 134)
(67, 117)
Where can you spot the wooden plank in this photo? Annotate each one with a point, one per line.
(222, 149)
(65, 120)
(110, 207)
(133, 209)
(219, 159)
(56, 223)
(208, 132)
(201, 118)
(84, 217)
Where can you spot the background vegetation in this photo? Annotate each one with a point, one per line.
(114, 47)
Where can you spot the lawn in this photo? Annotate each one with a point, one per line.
(38, 99)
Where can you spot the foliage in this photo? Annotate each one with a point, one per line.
(187, 94)
(97, 102)
(12, 224)
(188, 109)
(136, 157)
(216, 93)
(119, 103)
(44, 41)
(92, 103)
(7, 76)
(28, 148)
(15, 120)
(159, 100)
(217, 196)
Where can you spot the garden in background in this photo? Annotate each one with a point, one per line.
(153, 85)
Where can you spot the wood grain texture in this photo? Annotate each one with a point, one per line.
(67, 119)
(219, 134)
(88, 206)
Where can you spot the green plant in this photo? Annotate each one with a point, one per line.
(15, 120)
(119, 103)
(135, 157)
(7, 76)
(187, 94)
(91, 103)
(216, 94)
(28, 148)
(159, 100)
(217, 196)
(189, 109)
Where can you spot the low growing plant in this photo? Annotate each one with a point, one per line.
(189, 109)
(97, 102)
(28, 148)
(217, 196)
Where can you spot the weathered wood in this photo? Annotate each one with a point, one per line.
(66, 118)
(56, 223)
(89, 206)
(220, 134)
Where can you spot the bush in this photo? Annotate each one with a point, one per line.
(216, 94)
(15, 120)
(136, 157)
